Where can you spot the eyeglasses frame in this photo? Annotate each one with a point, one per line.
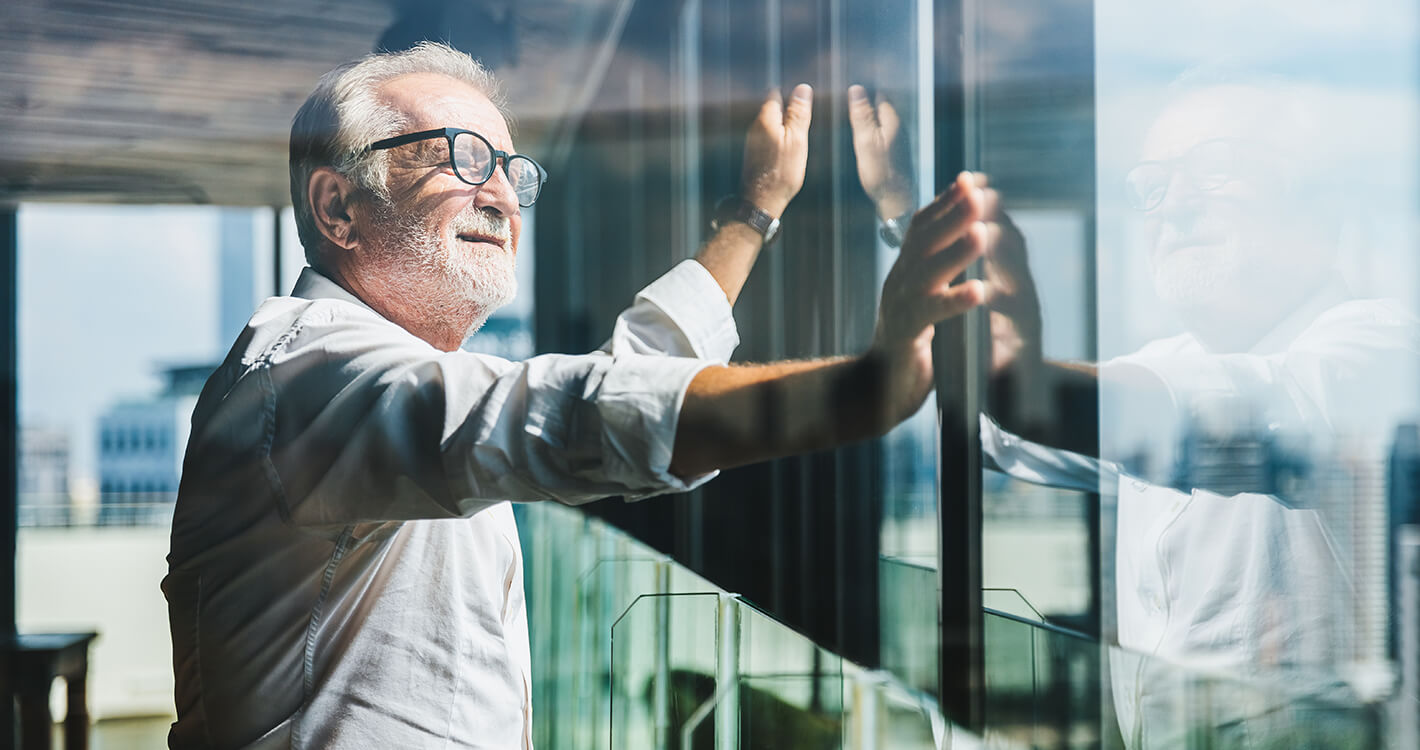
(1182, 158)
(449, 134)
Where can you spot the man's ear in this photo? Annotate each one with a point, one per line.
(331, 195)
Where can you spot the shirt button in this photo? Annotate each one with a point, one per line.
(1139, 485)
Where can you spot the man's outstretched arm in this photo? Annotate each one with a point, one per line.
(776, 155)
(743, 414)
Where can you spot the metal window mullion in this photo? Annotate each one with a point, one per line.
(958, 363)
(9, 414)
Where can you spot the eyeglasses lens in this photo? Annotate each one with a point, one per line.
(472, 158)
(526, 179)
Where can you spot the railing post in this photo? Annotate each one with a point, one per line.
(661, 706)
(727, 673)
(865, 700)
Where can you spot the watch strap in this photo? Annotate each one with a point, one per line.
(734, 208)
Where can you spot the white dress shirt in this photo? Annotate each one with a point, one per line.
(345, 570)
(1244, 585)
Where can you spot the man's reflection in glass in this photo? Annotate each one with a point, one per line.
(1245, 453)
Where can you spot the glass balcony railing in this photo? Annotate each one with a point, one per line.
(1051, 688)
(630, 649)
(153, 509)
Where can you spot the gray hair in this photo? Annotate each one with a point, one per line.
(344, 115)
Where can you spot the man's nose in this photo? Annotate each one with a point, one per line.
(497, 193)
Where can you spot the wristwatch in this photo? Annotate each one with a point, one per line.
(894, 230)
(734, 208)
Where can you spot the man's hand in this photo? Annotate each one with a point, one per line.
(777, 151)
(1010, 290)
(1025, 390)
(776, 155)
(883, 164)
(943, 239)
(742, 414)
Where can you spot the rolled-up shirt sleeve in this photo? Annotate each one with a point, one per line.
(367, 423)
(1325, 378)
(1038, 464)
(684, 314)
(568, 428)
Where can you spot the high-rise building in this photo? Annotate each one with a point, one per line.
(43, 477)
(141, 445)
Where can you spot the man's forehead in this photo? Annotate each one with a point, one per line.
(1225, 111)
(432, 100)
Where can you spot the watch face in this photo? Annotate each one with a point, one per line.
(891, 233)
(771, 231)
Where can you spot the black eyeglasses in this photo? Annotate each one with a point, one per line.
(474, 159)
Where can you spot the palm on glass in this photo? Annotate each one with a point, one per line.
(1010, 290)
(943, 239)
(884, 164)
(777, 150)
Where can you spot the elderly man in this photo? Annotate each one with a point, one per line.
(345, 569)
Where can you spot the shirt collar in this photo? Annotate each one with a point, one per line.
(312, 284)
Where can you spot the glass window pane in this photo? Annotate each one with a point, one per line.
(1219, 439)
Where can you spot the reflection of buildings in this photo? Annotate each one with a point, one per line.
(1338, 482)
(1230, 463)
(910, 482)
(1403, 550)
(141, 445)
(43, 477)
(1406, 717)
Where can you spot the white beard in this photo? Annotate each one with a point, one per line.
(1204, 278)
(441, 276)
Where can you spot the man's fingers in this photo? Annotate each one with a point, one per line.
(950, 300)
(946, 200)
(887, 115)
(946, 265)
(860, 112)
(997, 283)
(800, 109)
(929, 234)
(772, 111)
(990, 202)
(992, 237)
